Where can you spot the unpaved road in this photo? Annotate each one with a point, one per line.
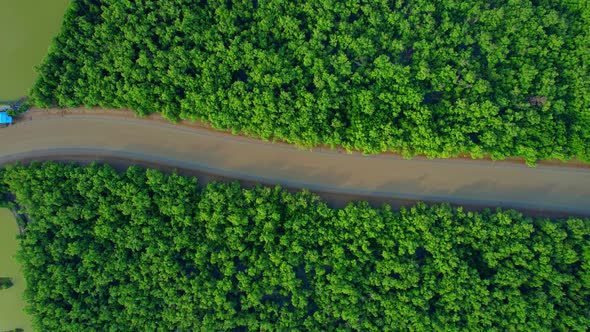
(481, 183)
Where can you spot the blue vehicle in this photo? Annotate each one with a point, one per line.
(5, 119)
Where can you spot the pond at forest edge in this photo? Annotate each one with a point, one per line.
(27, 29)
(11, 300)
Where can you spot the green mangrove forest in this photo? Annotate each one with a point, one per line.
(142, 250)
(439, 78)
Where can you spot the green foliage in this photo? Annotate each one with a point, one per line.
(145, 251)
(4, 201)
(5, 283)
(19, 106)
(502, 78)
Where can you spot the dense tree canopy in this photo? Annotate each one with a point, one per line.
(503, 77)
(146, 251)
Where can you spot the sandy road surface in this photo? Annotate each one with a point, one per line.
(483, 183)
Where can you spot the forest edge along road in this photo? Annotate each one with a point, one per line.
(48, 134)
(59, 135)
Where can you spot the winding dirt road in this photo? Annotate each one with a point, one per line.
(121, 135)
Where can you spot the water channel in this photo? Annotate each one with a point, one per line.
(12, 304)
(27, 29)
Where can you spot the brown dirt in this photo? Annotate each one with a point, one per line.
(332, 199)
(338, 177)
(129, 114)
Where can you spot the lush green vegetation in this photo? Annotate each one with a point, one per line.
(145, 251)
(20, 106)
(5, 283)
(502, 77)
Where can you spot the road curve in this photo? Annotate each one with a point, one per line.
(481, 183)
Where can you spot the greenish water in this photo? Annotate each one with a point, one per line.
(25, 34)
(12, 304)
